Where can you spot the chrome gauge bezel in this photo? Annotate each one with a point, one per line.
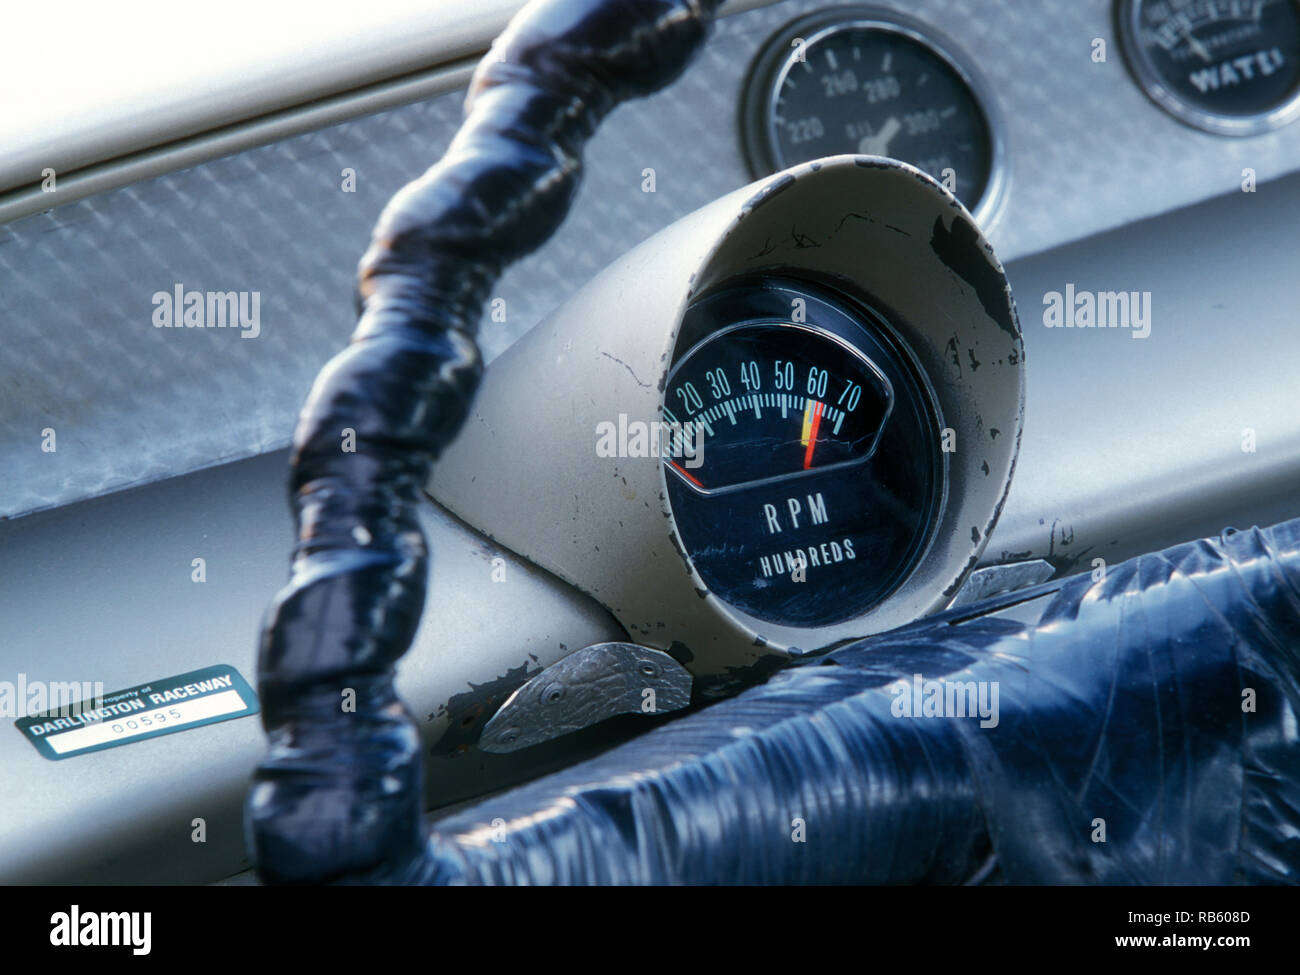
(1128, 14)
(770, 67)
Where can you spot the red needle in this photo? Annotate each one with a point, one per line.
(686, 474)
(812, 435)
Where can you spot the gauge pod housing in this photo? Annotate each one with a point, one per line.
(857, 266)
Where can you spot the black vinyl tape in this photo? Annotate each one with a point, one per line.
(1145, 733)
(338, 794)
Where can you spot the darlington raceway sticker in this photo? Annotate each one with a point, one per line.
(158, 708)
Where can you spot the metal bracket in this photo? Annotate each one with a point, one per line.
(994, 579)
(585, 688)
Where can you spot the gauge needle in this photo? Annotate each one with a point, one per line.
(686, 474)
(878, 144)
(812, 420)
(1197, 46)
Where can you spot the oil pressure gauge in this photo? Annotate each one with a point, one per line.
(1231, 67)
(859, 80)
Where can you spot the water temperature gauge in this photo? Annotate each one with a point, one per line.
(807, 469)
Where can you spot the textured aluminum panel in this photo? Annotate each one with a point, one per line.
(1130, 445)
(131, 403)
(104, 592)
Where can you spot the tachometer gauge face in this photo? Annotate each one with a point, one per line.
(862, 84)
(806, 472)
(1227, 66)
(803, 400)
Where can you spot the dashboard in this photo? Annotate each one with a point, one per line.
(1084, 150)
(1135, 159)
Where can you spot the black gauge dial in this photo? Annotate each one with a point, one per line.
(1227, 66)
(802, 400)
(851, 82)
(807, 472)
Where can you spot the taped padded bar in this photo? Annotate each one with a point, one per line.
(1146, 732)
(339, 791)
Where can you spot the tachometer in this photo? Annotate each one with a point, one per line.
(1227, 66)
(767, 401)
(855, 80)
(806, 469)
